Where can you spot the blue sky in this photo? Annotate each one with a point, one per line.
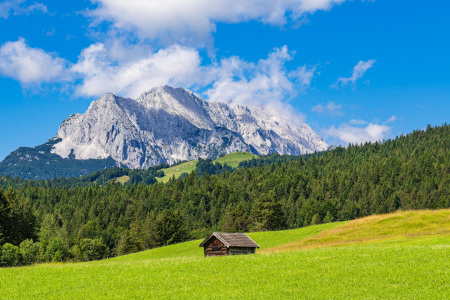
(354, 71)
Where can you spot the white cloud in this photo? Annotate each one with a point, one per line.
(31, 65)
(358, 71)
(177, 66)
(265, 83)
(331, 108)
(303, 75)
(192, 22)
(357, 135)
(129, 71)
(18, 7)
(392, 119)
(366, 132)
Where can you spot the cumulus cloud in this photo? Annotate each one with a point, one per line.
(31, 66)
(237, 81)
(177, 66)
(19, 7)
(330, 108)
(129, 71)
(233, 80)
(361, 132)
(191, 22)
(358, 71)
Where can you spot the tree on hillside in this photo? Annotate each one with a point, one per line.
(167, 228)
(236, 219)
(17, 222)
(267, 213)
(131, 240)
(4, 217)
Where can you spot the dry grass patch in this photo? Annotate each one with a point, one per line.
(123, 179)
(378, 228)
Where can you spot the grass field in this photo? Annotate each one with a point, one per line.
(232, 159)
(177, 170)
(408, 262)
(266, 240)
(378, 228)
(122, 179)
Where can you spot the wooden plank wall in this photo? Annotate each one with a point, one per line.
(241, 250)
(215, 248)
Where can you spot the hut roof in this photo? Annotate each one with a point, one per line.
(232, 240)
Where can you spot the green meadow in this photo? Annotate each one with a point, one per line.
(232, 159)
(410, 259)
(177, 170)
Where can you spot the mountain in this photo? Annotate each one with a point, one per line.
(165, 125)
(40, 163)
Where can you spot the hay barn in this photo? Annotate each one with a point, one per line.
(219, 243)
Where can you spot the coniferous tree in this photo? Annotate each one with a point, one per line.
(328, 218)
(236, 219)
(315, 219)
(131, 240)
(267, 213)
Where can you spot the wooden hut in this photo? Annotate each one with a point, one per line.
(220, 243)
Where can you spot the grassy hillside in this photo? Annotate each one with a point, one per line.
(177, 170)
(122, 179)
(232, 159)
(408, 259)
(266, 240)
(377, 228)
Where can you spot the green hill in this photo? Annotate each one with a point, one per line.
(122, 179)
(231, 159)
(177, 170)
(378, 228)
(405, 257)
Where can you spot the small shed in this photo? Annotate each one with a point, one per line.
(220, 243)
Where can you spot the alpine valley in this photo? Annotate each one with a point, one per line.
(163, 125)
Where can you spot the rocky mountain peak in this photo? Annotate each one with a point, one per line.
(167, 96)
(167, 124)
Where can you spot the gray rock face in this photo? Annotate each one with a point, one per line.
(165, 124)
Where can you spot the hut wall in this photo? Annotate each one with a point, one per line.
(215, 248)
(241, 250)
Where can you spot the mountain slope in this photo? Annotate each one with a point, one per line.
(40, 163)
